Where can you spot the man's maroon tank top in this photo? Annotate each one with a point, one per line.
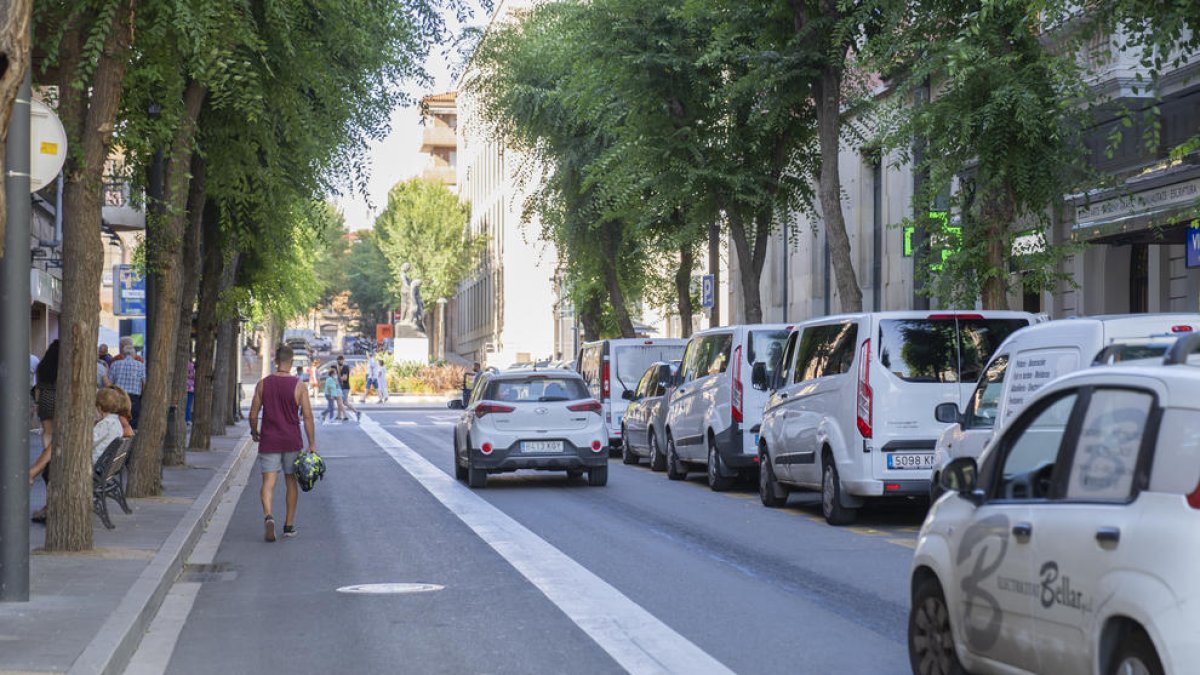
(281, 416)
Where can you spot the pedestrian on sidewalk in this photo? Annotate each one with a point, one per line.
(283, 399)
(129, 373)
(191, 391)
(343, 372)
(381, 382)
(333, 397)
(102, 380)
(45, 379)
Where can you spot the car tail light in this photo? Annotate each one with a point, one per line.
(591, 405)
(1194, 498)
(891, 487)
(486, 448)
(605, 387)
(735, 400)
(864, 390)
(596, 446)
(1181, 329)
(489, 408)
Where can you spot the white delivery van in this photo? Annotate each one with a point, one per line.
(612, 367)
(713, 408)
(852, 412)
(1033, 357)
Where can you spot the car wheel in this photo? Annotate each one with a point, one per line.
(460, 471)
(627, 455)
(476, 478)
(930, 640)
(658, 462)
(716, 482)
(598, 476)
(770, 491)
(1135, 656)
(831, 497)
(675, 468)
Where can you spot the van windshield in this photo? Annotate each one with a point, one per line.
(767, 346)
(940, 350)
(631, 362)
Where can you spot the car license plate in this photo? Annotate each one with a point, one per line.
(541, 446)
(910, 460)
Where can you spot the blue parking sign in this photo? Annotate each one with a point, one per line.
(707, 294)
(1193, 244)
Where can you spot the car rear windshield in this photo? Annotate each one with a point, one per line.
(536, 389)
(941, 350)
(633, 360)
(767, 346)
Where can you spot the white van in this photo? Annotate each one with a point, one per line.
(1031, 358)
(713, 407)
(612, 367)
(851, 413)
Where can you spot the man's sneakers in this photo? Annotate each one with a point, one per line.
(289, 531)
(359, 413)
(270, 533)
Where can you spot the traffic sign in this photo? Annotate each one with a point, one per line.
(707, 291)
(47, 145)
(129, 291)
(1193, 244)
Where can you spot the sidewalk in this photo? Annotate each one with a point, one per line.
(87, 611)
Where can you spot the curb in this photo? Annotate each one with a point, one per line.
(114, 645)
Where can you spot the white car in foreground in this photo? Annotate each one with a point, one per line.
(530, 419)
(1071, 547)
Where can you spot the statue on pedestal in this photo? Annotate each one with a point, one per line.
(412, 309)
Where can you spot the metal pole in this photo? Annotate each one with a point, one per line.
(714, 268)
(14, 343)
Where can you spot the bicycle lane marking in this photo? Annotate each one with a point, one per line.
(637, 640)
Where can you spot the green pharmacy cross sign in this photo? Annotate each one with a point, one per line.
(948, 239)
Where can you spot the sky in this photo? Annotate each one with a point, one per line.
(397, 157)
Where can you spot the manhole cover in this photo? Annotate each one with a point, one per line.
(385, 589)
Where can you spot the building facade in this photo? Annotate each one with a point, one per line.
(504, 310)
(1132, 239)
(440, 140)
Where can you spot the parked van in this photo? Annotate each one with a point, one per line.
(713, 407)
(612, 367)
(1031, 358)
(851, 412)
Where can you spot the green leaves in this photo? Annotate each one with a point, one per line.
(424, 225)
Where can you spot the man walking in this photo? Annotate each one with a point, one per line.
(282, 398)
(129, 373)
(343, 374)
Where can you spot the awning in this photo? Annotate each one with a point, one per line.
(1153, 207)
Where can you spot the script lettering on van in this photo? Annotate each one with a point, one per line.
(1051, 589)
(1028, 376)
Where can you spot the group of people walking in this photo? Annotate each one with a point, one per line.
(333, 382)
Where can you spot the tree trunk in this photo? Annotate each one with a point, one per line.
(206, 328)
(612, 281)
(829, 128)
(714, 268)
(996, 216)
(14, 63)
(164, 252)
(749, 267)
(89, 115)
(225, 334)
(588, 315)
(683, 288)
(233, 411)
(175, 454)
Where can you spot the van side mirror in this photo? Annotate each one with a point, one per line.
(758, 376)
(455, 404)
(629, 395)
(947, 413)
(961, 476)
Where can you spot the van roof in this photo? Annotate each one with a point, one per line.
(924, 314)
(1071, 330)
(747, 326)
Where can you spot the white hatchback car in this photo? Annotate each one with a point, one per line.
(530, 419)
(1071, 547)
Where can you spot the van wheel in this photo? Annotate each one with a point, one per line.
(627, 455)
(476, 478)
(930, 640)
(675, 468)
(716, 482)
(770, 491)
(831, 496)
(658, 462)
(598, 476)
(1135, 656)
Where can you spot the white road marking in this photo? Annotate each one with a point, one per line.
(404, 423)
(153, 654)
(632, 636)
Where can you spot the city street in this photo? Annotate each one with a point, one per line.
(672, 576)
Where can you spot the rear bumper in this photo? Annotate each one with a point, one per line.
(731, 445)
(918, 487)
(512, 459)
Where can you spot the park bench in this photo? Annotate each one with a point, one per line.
(105, 479)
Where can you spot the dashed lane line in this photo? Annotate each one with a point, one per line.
(632, 636)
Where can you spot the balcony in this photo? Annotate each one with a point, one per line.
(438, 137)
(441, 174)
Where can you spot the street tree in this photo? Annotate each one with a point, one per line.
(369, 280)
(424, 225)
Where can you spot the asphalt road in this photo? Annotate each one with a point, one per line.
(712, 575)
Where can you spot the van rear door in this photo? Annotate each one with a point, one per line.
(628, 361)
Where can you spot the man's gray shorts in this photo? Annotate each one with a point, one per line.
(272, 462)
